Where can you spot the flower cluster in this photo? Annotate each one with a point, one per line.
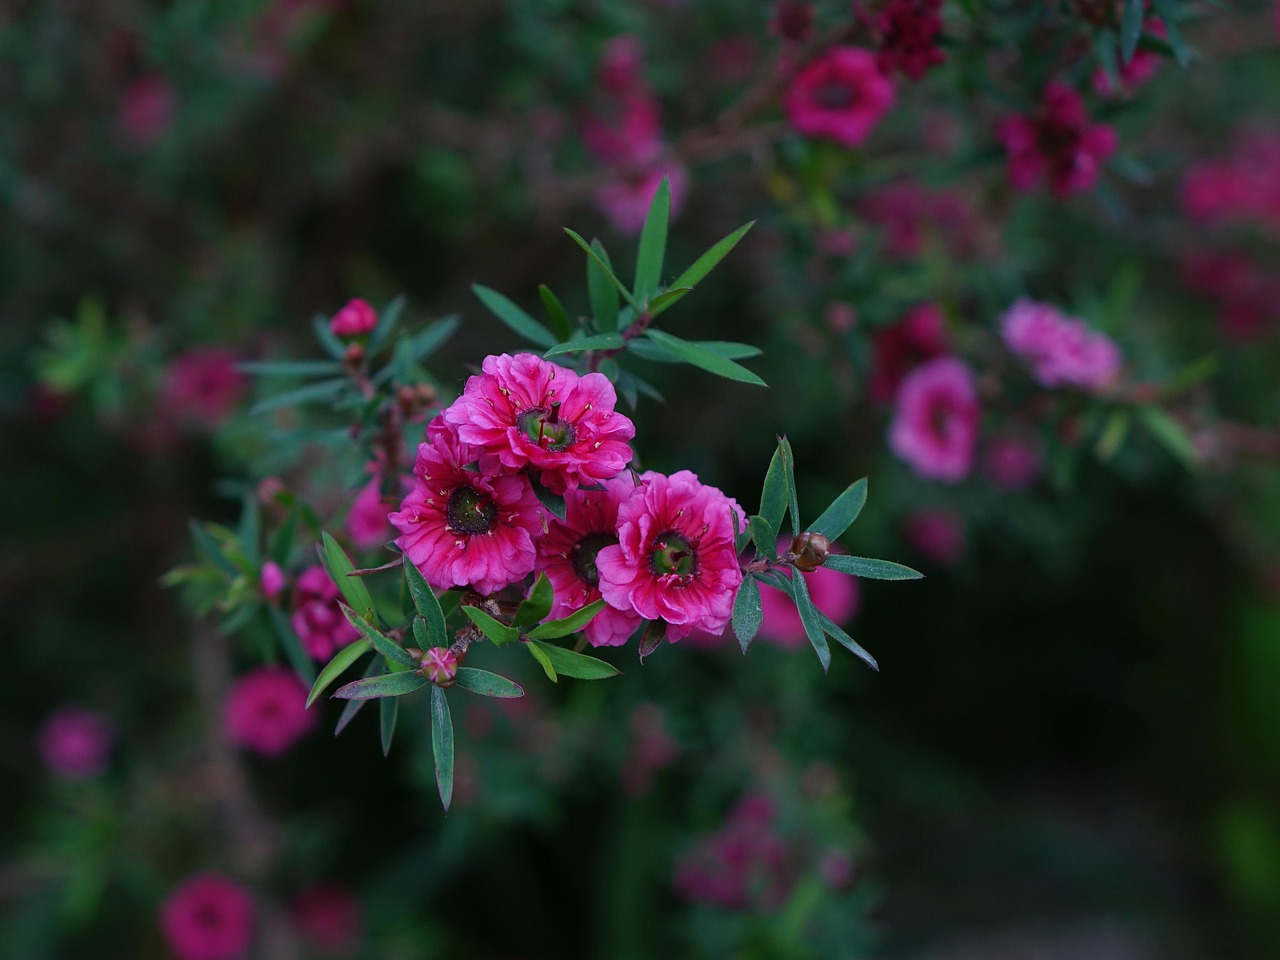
(654, 547)
(1058, 144)
(1061, 351)
(908, 31)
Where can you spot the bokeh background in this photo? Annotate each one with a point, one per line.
(1071, 748)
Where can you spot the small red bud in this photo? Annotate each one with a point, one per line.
(810, 550)
(354, 355)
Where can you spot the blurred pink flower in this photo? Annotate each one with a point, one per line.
(839, 96)
(1061, 350)
(936, 534)
(317, 619)
(908, 32)
(208, 917)
(329, 918)
(271, 580)
(1013, 462)
(621, 67)
(147, 107)
(919, 336)
(367, 524)
(935, 424)
(742, 866)
(626, 200)
(266, 711)
(835, 594)
(1058, 144)
(906, 213)
(1242, 187)
(202, 386)
(75, 743)
(355, 319)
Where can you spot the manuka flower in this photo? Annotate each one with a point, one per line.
(1058, 144)
(840, 96)
(908, 31)
(920, 335)
(524, 411)
(675, 559)
(568, 556)
(76, 743)
(208, 917)
(317, 619)
(935, 424)
(1061, 350)
(466, 527)
(266, 711)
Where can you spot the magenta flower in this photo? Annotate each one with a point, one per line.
(920, 335)
(271, 580)
(202, 386)
(317, 619)
(367, 519)
(75, 743)
(329, 917)
(464, 527)
(936, 534)
(1061, 350)
(266, 711)
(840, 96)
(355, 319)
(935, 424)
(675, 559)
(208, 917)
(1242, 187)
(568, 552)
(621, 67)
(1013, 462)
(626, 200)
(744, 865)
(528, 412)
(835, 594)
(1058, 143)
(908, 31)
(147, 108)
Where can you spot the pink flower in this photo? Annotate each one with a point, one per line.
(1057, 143)
(675, 558)
(147, 107)
(202, 386)
(937, 534)
(329, 918)
(528, 412)
(626, 200)
(75, 743)
(568, 552)
(627, 131)
(266, 711)
(742, 866)
(1243, 187)
(1013, 462)
(1061, 350)
(935, 424)
(464, 527)
(908, 31)
(208, 917)
(271, 580)
(835, 594)
(920, 335)
(367, 520)
(840, 96)
(621, 67)
(355, 319)
(317, 619)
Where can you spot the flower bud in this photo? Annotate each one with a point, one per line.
(354, 320)
(271, 580)
(440, 666)
(354, 355)
(810, 550)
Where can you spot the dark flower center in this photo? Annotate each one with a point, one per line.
(470, 511)
(583, 556)
(834, 95)
(545, 428)
(673, 554)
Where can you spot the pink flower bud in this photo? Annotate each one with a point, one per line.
(354, 320)
(271, 580)
(440, 666)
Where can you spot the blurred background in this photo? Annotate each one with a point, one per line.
(1071, 749)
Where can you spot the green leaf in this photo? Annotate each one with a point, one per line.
(210, 547)
(1113, 433)
(427, 605)
(608, 270)
(289, 368)
(1130, 28)
(601, 292)
(554, 502)
(332, 345)
(389, 649)
(773, 498)
(599, 341)
(1169, 13)
(578, 665)
(554, 629)
(837, 633)
(387, 321)
(298, 658)
(649, 636)
(495, 630)
(537, 605)
(668, 298)
(653, 243)
(339, 565)
(726, 348)
(514, 317)
(427, 340)
(555, 312)
(282, 539)
(388, 711)
(748, 612)
(442, 745)
(544, 661)
(383, 685)
(703, 358)
(707, 262)
(487, 684)
(844, 509)
(789, 472)
(870, 568)
(1171, 434)
(313, 391)
(336, 667)
(377, 666)
(250, 530)
(809, 617)
(764, 536)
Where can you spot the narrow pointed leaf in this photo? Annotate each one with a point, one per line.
(515, 318)
(773, 498)
(599, 341)
(387, 321)
(703, 358)
(728, 349)
(336, 667)
(668, 298)
(340, 566)
(442, 745)
(391, 650)
(1171, 434)
(871, 568)
(789, 472)
(601, 292)
(290, 368)
(332, 345)
(313, 391)
(765, 537)
(555, 312)
(653, 243)
(487, 684)
(544, 661)
(707, 262)
(554, 629)
(554, 502)
(210, 547)
(608, 270)
(578, 665)
(495, 630)
(298, 658)
(388, 711)
(427, 605)
(837, 633)
(748, 612)
(1130, 28)
(809, 617)
(1168, 14)
(838, 517)
(427, 340)
(651, 634)
(384, 685)
(537, 605)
